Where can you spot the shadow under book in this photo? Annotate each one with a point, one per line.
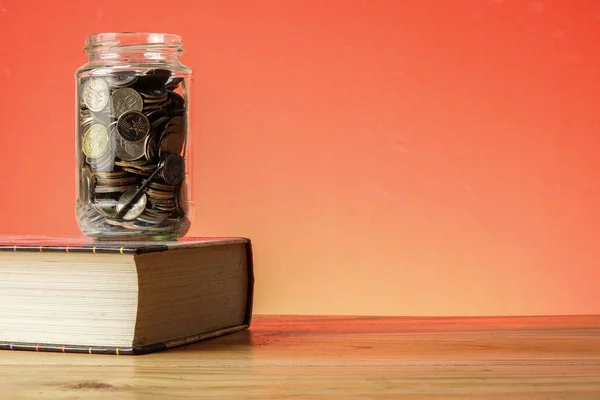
(122, 298)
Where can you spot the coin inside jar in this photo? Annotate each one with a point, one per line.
(106, 207)
(171, 143)
(126, 150)
(159, 194)
(137, 171)
(121, 78)
(95, 141)
(133, 126)
(114, 189)
(95, 94)
(115, 175)
(124, 100)
(116, 181)
(173, 169)
(151, 147)
(181, 199)
(176, 121)
(137, 208)
(161, 186)
(168, 202)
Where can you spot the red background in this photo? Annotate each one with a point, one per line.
(386, 157)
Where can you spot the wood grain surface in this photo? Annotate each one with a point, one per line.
(284, 357)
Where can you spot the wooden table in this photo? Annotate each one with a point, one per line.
(337, 357)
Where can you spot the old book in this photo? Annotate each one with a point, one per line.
(76, 295)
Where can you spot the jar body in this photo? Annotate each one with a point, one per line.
(133, 142)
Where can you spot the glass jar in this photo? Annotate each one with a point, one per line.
(133, 138)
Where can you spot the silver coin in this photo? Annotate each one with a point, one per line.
(96, 94)
(122, 78)
(124, 100)
(136, 209)
(124, 149)
(114, 189)
(106, 207)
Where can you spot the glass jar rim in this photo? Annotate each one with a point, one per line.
(107, 41)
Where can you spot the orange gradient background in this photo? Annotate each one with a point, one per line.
(386, 157)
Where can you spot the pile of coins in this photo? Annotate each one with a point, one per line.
(132, 138)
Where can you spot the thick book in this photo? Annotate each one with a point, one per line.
(75, 295)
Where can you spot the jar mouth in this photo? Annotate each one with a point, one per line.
(117, 41)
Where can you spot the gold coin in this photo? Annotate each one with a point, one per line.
(115, 175)
(137, 171)
(95, 141)
(139, 163)
(157, 194)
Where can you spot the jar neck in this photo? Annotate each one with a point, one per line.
(134, 47)
(139, 56)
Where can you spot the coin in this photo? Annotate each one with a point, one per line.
(163, 207)
(85, 125)
(103, 164)
(158, 93)
(114, 175)
(116, 181)
(181, 199)
(160, 186)
(133, 126)
(116, 222)
(177, 121)
(124, 100)
(106, 207)
(154, 107)
(137, 171)
(136, 209)
(133, 163)
(85, 182)
(173, 82)
(149, 220)
(167, 209)
(160, 194)
(168, 202)
(114, 189)
(145, 228)
(151, 148)
(155, 213)
(95, 141)
(153, 100)
(153, 217)
(160, 124)
(165, 73)
(173, 169)
(156, 115)
(171, 129)
(121, 78)
(126, 150)
(171, 143)
(177, 107)
(96, 94)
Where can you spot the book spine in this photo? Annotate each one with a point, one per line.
(68, 349)
(119, 351)
(81, 249)
(68, 249)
